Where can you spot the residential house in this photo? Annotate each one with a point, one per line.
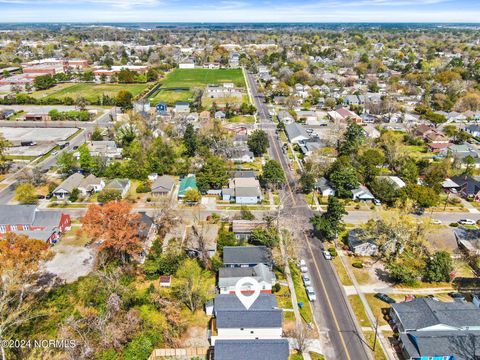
(187, 64)
(247, 256)
(33, 222)
(90, 184)
(469, 186)
(323, 187)
(257, 349)
(86, 185)
(105, 149)
(219, 115)
(202, 240)
(468, 240)
(359, 244)
(296, 133)
(243, 190)
(120, 185)
(243, 228)
(241, 155)
(285, 117)
(306, 116)
(362, 193)
(345, 115)
(473, 130)
(393, 180)
(182, 107)
(432, 329)
(263, 320)
(188, 182)
(229, 276)
(163, 185)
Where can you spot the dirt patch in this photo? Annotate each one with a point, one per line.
(70, 262)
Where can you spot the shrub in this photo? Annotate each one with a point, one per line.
(143, 188)
(333, 252)
(358, 265)
(276, 288)
(453, 224)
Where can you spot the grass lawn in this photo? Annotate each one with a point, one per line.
(89, 91)
(283, 298)
(342, 273)
(171, 97)
(359, 310)
(362, 275)
(190, 78)
(296, 356)
(316, 356)
(244, 119)
(305, 311)
(369, 338)
(377, 305)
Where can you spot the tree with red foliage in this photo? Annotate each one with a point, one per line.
(119, 230)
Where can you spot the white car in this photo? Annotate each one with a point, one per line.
(303, 269)
(311, 294)
(303, 263)
(466, 222)
(436, 222)
(306, 279)
(327, 255)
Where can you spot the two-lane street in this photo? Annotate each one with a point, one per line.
(331, 310)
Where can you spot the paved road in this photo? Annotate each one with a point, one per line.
(331, 311)
(361, 217)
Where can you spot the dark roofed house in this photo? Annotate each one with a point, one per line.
(360, 244)
(440, 345)
(229, 276)
(263, 320)
(468, 186)
(431, 329)
(247, 256)
(256, 349)
(425, 314)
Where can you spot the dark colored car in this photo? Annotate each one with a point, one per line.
(385, 298)
(456, 296)
(49, 196)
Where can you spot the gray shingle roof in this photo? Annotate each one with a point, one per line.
(425, 344)
(294, 130)
(247, 255)
(163, 184)
(17, 214)
(230, 276)
(230, 312)
(117, 184)
(251, 349)
(70, 183)
(423, 312)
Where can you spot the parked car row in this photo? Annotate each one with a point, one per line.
(307, 281)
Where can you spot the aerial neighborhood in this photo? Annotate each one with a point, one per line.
(146, 171)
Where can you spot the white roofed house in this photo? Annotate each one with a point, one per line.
(362, 193)
(105, 148)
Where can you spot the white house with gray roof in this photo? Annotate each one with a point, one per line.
(263, 320)
(257, 349)
(228, 278)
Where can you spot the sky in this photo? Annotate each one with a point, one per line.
(322, 11)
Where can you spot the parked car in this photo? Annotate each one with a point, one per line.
(466, 222)
(457, 296)
(303, 269)
(385, 298)
(311, 294)
(436, 222)
(55, 153)
(306, 279)
(377, 202)
(302, 263)
(327, 255)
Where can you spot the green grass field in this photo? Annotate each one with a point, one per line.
(178, 84)
(190, 78)
(88, 90)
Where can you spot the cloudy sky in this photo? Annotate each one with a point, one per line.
(240, 10)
